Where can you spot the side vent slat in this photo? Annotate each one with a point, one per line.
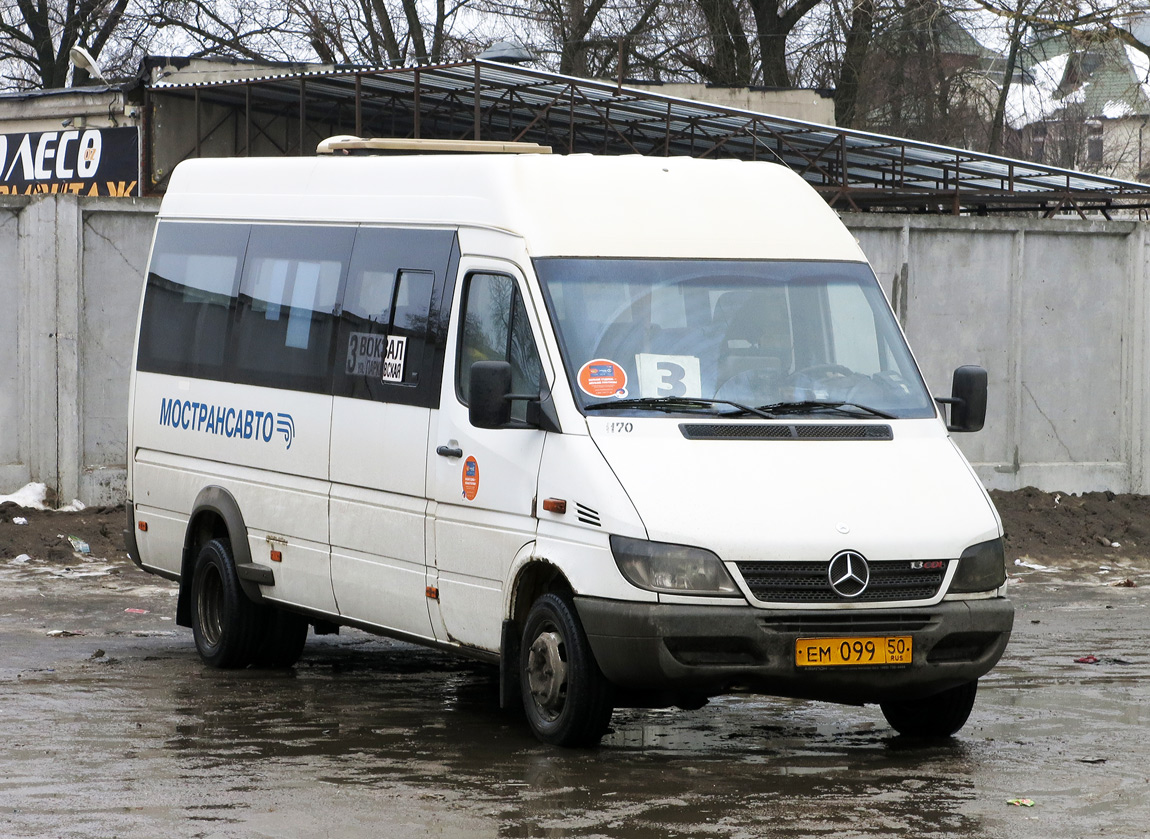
(785, 431)
(586, 515)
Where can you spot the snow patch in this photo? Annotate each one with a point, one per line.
(1117, 110)
(1027, 103)
(32, 496)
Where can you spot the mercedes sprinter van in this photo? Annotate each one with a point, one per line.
(640, 431)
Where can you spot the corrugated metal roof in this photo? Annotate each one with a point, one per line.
(490, 101)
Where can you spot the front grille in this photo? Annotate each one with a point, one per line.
(764, 431)
(806, 582)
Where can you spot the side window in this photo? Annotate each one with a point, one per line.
(495, 328)
(193, 284)
(383, 343)
(285, 325)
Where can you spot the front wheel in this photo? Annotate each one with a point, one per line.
(940, 715)
(565, 695)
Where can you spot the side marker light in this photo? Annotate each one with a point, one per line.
(555, 505)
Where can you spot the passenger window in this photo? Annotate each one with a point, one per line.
(288, 294)
(495, 328)
(386, 312)
(191, 296)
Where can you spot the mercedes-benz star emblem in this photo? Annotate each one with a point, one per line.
(848, 574)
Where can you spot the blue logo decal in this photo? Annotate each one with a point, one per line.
(285, 426)
(227, 422)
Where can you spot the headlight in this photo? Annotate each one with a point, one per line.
(674, 569)
(981, 567)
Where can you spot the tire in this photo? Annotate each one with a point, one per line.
(225, 624)
(567, 699)
(284, 636)
(940, 715)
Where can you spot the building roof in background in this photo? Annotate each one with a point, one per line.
(479, 99)
(1108, 80)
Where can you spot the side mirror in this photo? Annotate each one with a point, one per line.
(488, 405)
(967, 400)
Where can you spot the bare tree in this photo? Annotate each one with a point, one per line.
(36, 37)
(727, 59)
(859, 34)
(774, 22)
(592, 38)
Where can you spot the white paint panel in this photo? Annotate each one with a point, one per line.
(293, 509)
(660, 207)
(162, 545)
(912, 497)
(378, 558)
(379, 445)
(296, 448)
(283, 504)
(302, 577)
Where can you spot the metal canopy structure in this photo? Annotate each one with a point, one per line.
(484, 100)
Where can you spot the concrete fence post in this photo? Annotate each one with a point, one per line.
(49, 237)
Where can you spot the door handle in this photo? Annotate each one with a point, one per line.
(449, 451)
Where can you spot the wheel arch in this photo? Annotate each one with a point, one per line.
(215, 515)
(534, 576)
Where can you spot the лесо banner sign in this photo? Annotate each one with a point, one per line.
(82, 161)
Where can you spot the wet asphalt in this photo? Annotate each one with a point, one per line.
(110, 726)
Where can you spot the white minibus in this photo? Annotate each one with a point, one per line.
(639, 431)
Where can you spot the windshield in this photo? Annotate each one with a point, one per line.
(722, 336)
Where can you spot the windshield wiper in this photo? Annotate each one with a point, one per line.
(812, 405)
(677, 403)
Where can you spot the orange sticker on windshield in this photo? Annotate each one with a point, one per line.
(470, 478)
(603, 378)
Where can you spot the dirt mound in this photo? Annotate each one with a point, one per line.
(45, 536)
(1055, 525)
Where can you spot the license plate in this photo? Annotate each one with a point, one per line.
(852, 651)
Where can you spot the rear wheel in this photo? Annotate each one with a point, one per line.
(226, 625)
(940, 715)
(565, 695)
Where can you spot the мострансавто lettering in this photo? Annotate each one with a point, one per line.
(228, 422)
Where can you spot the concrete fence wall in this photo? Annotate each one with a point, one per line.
(1057, 312)
(70, 279)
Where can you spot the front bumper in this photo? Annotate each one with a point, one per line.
(718, 649)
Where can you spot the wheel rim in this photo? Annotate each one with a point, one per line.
(547, 674)
(209, 599)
